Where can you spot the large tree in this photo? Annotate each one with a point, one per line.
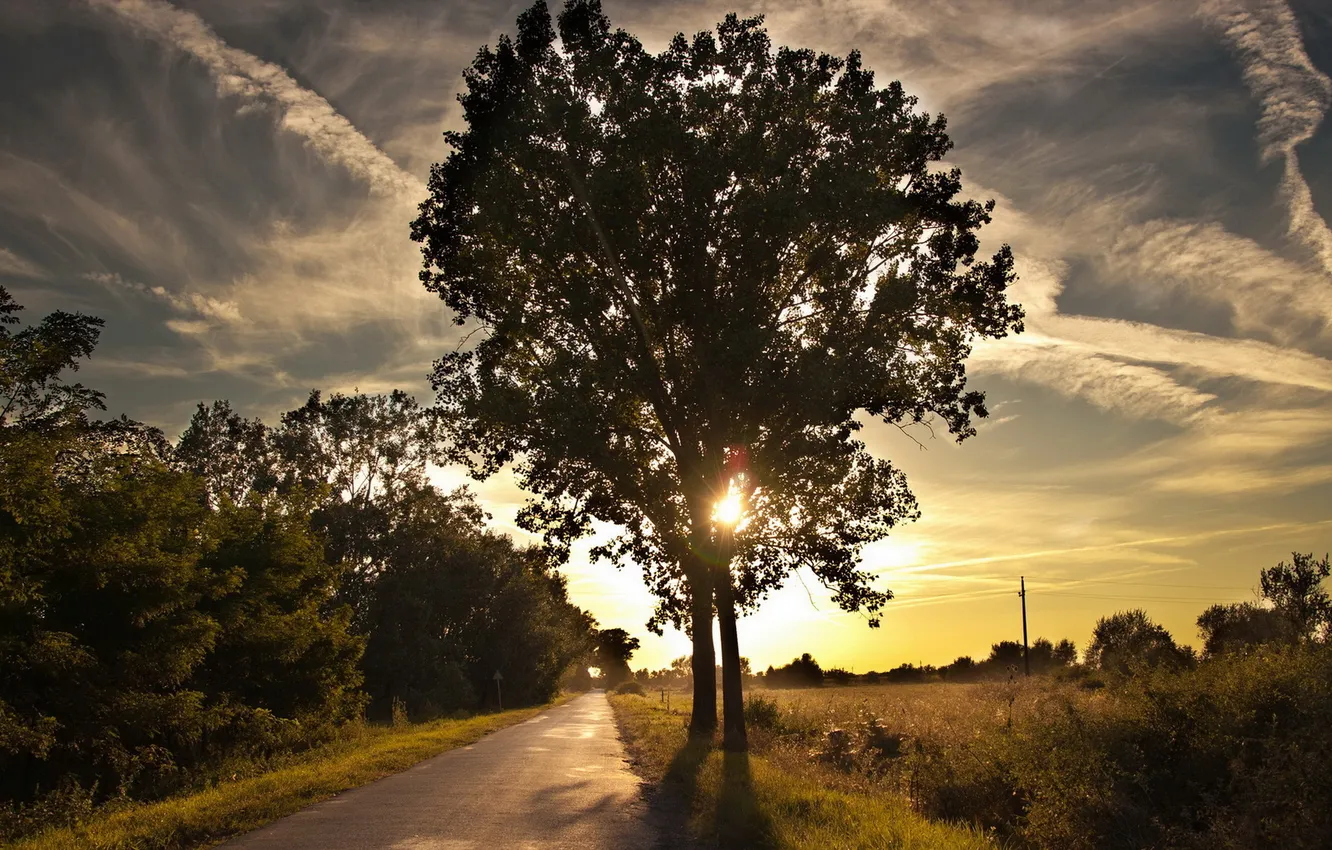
(691, 276)
(1129, 639)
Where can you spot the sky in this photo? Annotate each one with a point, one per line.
(229, 185)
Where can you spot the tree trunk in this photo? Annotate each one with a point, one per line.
(703, 720)
(734, 739)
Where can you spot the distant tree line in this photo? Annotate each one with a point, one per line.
(242, 591)
(1293, 608)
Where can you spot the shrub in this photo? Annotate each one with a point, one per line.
(1233, 754)
(763, 713)
(630, 687)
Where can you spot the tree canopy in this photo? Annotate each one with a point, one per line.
(1128, 639)
(691, 274)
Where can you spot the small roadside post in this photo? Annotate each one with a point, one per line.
(499, 696)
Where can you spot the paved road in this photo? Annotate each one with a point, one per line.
(558, 780)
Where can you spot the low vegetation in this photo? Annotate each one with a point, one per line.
(263, 792)
(1235, 753)
(1145, 744)
(753, 801)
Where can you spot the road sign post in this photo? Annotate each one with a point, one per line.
(499, 696)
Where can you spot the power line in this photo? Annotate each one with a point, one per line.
(1075, 581)
(1134, 598)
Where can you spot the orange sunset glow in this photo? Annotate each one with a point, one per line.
(231, 185)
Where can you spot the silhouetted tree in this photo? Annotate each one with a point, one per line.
(1229, 628)
(612, 649)
(1123, 640)
(838, 675)
(33, 392)
(369, 452)
(906, 673)
(802, 672)
(1046, 656)
(1064, 653)
(232, 455)
(690, 273)
(452, 603)
(962, 669)
(1005, 653)
(1297, 594)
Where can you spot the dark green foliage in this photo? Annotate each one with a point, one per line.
(1235, 754)
(763, 713)
(1296, 593)
(631, 687)
(167, 612)
(452, 604)
(690, 273)
(1129, 640)
(147, 635)
(612, 650)
(102, 632)
(802, 672)
(285, 643)
(1240, 625)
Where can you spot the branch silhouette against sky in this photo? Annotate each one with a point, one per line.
(230, 186)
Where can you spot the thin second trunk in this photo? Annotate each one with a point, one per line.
(734, 738)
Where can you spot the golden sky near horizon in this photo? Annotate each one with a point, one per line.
(230, 185)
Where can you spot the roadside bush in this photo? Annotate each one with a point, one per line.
(1237, 753)
(1233, 753)
(630, 687)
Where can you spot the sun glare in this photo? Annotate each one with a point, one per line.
(729, 509)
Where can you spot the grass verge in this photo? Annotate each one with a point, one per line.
(744, 800)
(207, 817)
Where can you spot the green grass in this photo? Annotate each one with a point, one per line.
(208, 817)
(747, 800)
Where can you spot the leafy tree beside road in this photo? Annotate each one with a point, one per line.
(166, 612)
(691, 275)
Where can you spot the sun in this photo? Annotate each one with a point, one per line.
(729, 509)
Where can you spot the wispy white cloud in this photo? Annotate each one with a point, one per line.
(1213, 356)
(1129, 389)
(243, 75)
(12, 265)
(1267, 294)
(188, 303)
(1294, 95)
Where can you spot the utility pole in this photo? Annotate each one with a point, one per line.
(1026, 654)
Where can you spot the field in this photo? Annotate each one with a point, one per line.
(1236, 753)
(752, 801)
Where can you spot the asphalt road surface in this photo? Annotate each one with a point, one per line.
(559, 780)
